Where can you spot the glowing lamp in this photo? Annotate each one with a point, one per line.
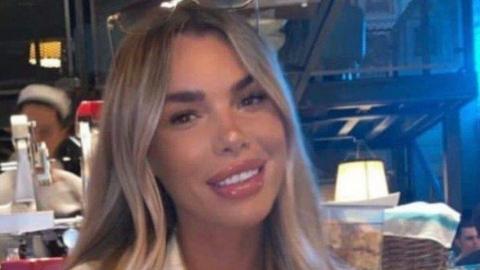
(50, 54)
(360, 180)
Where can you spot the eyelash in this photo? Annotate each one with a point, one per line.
(182, 118)
(253, 99)
(186, 117)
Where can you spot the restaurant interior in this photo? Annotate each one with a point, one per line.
(386, 92)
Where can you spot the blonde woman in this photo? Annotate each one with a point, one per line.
(200, 162)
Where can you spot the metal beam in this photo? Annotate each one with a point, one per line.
(333, 10)
(431, 88)
(381, 127)
(389, 119)
(412, 123)
(434, 181)
(314, 120)
(95, 45)
(428, 121)
(68, 36)
(399, 180)
(402, 110)
(467, 46)
(80, 45)
(452, 156)
(279, 3)
(348, 127)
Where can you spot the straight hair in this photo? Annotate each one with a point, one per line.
(128, 214)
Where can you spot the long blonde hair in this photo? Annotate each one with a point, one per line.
(128, 212)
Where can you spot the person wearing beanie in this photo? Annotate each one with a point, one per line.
(49, 107)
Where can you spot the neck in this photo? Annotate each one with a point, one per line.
(212, 247)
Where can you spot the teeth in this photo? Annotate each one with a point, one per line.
(237, 178)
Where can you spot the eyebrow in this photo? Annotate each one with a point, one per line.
(196, 95)
(186, 96)
(242, 83)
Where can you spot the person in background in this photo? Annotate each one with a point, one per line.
(200, 162)
(50, 108)
(473, 258)
(467, 239)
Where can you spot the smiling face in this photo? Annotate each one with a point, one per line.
(220, 147)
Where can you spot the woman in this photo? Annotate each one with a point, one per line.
(200, 162)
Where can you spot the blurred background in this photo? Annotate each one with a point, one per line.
(393, 80)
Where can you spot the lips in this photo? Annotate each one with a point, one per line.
(239, 180)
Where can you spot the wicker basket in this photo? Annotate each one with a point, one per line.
(402, 253)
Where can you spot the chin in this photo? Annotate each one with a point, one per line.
(246, 217)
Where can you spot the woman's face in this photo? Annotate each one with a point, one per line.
(220, 147)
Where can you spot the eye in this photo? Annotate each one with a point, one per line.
(182, 118)
(253, 99)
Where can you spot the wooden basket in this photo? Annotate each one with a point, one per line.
(403, 253)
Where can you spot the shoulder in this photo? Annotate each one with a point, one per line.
(470, 259)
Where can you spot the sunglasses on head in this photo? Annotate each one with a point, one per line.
(137, 18)
(141, 11)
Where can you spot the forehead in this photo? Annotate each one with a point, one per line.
(469, 231)
(203, 59)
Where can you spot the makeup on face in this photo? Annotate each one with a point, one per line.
(220, 145)
(240, 180)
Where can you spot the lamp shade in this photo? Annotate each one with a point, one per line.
(360, 180)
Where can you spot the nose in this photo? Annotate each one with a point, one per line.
(231, 138)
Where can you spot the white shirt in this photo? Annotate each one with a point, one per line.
(173, 257)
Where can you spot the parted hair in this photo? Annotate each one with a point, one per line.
(129, 216)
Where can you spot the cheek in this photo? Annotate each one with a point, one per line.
(270, 134)
(181, 157)
(175, 158)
